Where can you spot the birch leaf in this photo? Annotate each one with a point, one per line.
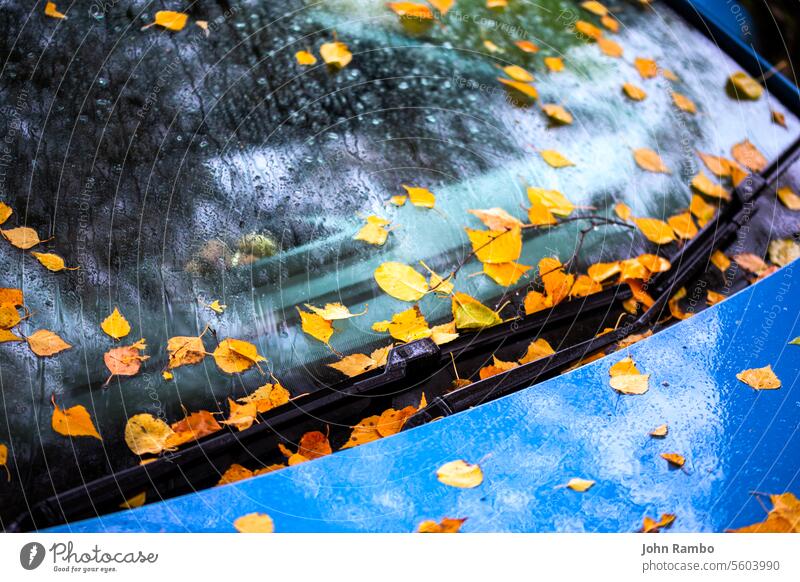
(185, 350)
(649, 160)
(554, 64)
(496, 246)
(335, 54)
(334, 311)
(254, 523)
(655, 230)
(21, 237)
(557, 113)
(743, 86)
(144, 433)
(748, 155)
(469, 313)
(305, 58)
(647, 67)
(460, 474)
(552, 200)
(45, 343)
(683, 103)
(518, 73)
(447, 525)
(788, 198)
(401, 281)
(170, 20)
(53, 262)
(316, 326)
(421, 197)
(496, 219)
(115, 325)
(234, 356)
(760, 378)
(505, 274)
(580, 485)
(51, 11)
(5, 212)
(703, 184)
(674, 459)
(73, 422)
(633, 92)
(555, 159)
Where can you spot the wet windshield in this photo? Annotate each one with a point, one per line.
(176, 169)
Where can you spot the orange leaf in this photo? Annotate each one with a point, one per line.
(45, 343)
(73, 422)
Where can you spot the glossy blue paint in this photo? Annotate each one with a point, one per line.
(735, 440)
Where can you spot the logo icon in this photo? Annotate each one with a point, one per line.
(31, 555)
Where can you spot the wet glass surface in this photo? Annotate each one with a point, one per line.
(158, 161)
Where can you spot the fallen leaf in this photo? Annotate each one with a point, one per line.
(712, 297)
(557, 283)
(555, 64)
(305, 58)
(185, 350)
(5, 212)
(683, 103)
(609, 47)
(9, 316)
(585, 286)
(254, 523)
(374, 231)
(650, 525)
(743, 86)
(655, 230)
(649, 160)
(73, 422)
(444, 333)
(496, 246)
(234, 356)
(45, 343)
(717, 165)
(135, 501)
(647, 67)
(701, 210)
(623, 211)
(314, 445)
(21, 237)
(469, 313)
(447, 525)
(580, 485)
(703, 184)
(364, 432)
(335, 54)
(401, 281)
(144, 433)
(421, 197)
(784, 517)
(674, 305)
(777, 117)
(552, 200)
(126, 360)
(391, 421)
(682, 225)
(4, 460)
(748, 155)
(443, 6)
(242, 416)
(53, 262)
(629, 340)
(496, 367)
(398, 200)
(266, 397)
(599, 272)
(460, 474)
(674, 459)
(555, 159)
(783, 251)
(659, 431)
(594, 7)
(334, 311)
(194, 427)
(627, 379)
(406, 326)
(788, 198)
(354, 364)
(518, 89)
(610, 23)
(526, 46)
(217, 307)
(518, 73)
(7, 336)
(496, 219)
(491, 47)
(540, 215)
(170, 20)
(750, 262)
(505, 274)
(588, 29)
(51, 11)
(760, 378)
(439, 285)
(115, 325)
(557, 113)
(633, 92)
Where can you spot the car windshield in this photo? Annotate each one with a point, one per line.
(179, 168)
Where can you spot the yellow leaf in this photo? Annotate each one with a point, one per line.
(217, 307)
(555, 159)
(460, 474)
(334, 311)
(588, 29)
(421, 197)
(518, 73)
(469, 313)
(717, 165)
(9, 316)
(443, 6)
(557, 113)
(398, 200)
(712, 297)
(599, 272)
(652, 526)
(784, 517)
(783, 251)
(496, 246)
(555, 64)
(647, 67)
(660, 431)
(364, 432)
(491, 47)
(624, 367)
(705, 185)
(51, 11)
(115, 325)
(654, 263)
(535, 301)
(406, 326)
(400, 281)
(447, 525)
(631, 383)
(526, 46)
(609, 47)
(242, 416)
(316, 326)
(720, 261)
(553, 200)
(314, 445)
(184, 350)
(557, 284)
(788, 198)
(374, 231)
(580, 485)
(537, 350)
(634, 92)
(21, 237)
(437, 284)
(411, 10)
(683, 225)
(266, 397)
(45, 343)
(5, 212)
(655, 230)
(623, 211)
(518, 89)
(674, 459)
(170, 20)
(674, 305)
(254, 523)
(305, 58)
(354, 364)
(505, 274)
(595, 7)
(540, 215)
(73, 422)
(760, 378)
(748, 155)
(744, 86)
(496, 4)
(683, 102)
(610, 23)
(11, 296)
(7, 336)
(444, 333)
(4, 460)
(649, 160)
(585, 286)
(751, 263)
(701, 210)
(496, 219)
(144, 433)
(497, 367)
(135, 501)
(234, 356)
(335, 54)
(52, 262)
